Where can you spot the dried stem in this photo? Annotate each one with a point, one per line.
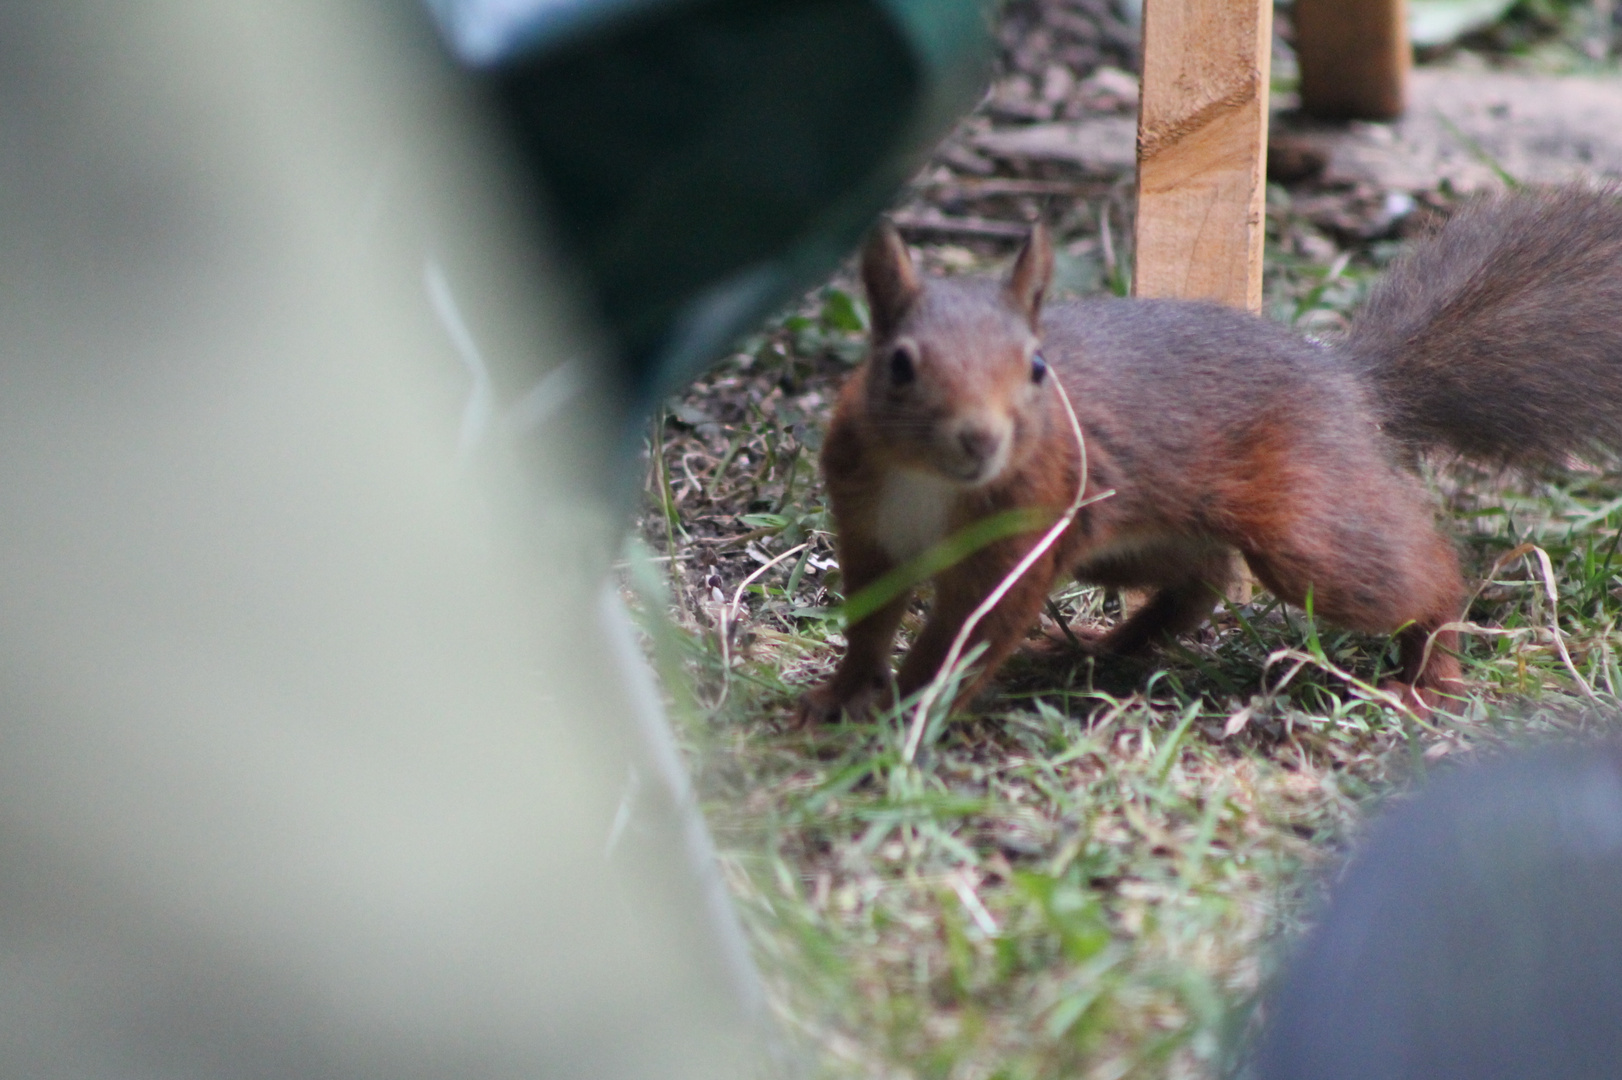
(932, 692)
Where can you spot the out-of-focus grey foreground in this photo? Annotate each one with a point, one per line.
(315, 756)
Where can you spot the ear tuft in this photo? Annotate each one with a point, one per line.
(888, 275)
(1029, 279)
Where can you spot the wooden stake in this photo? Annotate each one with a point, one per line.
(1354, 57)
(1202, 150)
(1202, 161)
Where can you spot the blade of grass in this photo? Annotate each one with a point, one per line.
(944, 555)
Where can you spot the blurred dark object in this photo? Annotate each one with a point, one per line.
(705, 160)
(1354, 57)
(1477, 936)
(1293, 160)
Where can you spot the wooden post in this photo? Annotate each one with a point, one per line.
(1202, 160)
(1202, 150)
(1354, 57)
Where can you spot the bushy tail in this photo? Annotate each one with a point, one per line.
(1500, 336)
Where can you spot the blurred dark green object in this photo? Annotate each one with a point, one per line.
(1475, 935)
(704, 160)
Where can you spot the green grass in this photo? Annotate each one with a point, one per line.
(1094, 873)
(1097, 870)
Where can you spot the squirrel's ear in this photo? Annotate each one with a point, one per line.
(1033, 270)
(889, 277)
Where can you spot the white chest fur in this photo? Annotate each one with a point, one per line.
(913, 512)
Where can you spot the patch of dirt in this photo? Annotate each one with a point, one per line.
(1469, 131)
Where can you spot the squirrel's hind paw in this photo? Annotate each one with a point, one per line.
(1425, 701)
(824, 704)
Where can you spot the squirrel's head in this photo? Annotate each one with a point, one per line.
(956, 382)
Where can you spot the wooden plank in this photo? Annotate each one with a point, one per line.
(1354, 57)
(1202, 150)
(1202, 162)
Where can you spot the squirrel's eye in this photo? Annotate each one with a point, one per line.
(1039, 368)
(901, 370)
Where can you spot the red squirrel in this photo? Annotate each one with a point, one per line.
(1498, 338)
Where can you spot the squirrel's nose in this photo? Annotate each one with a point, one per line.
(979, 443)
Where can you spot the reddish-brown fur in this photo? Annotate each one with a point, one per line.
(1218, 432)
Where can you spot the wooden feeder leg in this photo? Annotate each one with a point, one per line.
(1202, 150)
(1202, 154)
(1354, 57)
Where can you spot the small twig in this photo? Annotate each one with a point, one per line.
(955, 653)
(1064, 623)
(739, 539)
(693, 482)
(971, 902)
(1303, 659)
(729, 615)
(1555, 632)
(1554, 622)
